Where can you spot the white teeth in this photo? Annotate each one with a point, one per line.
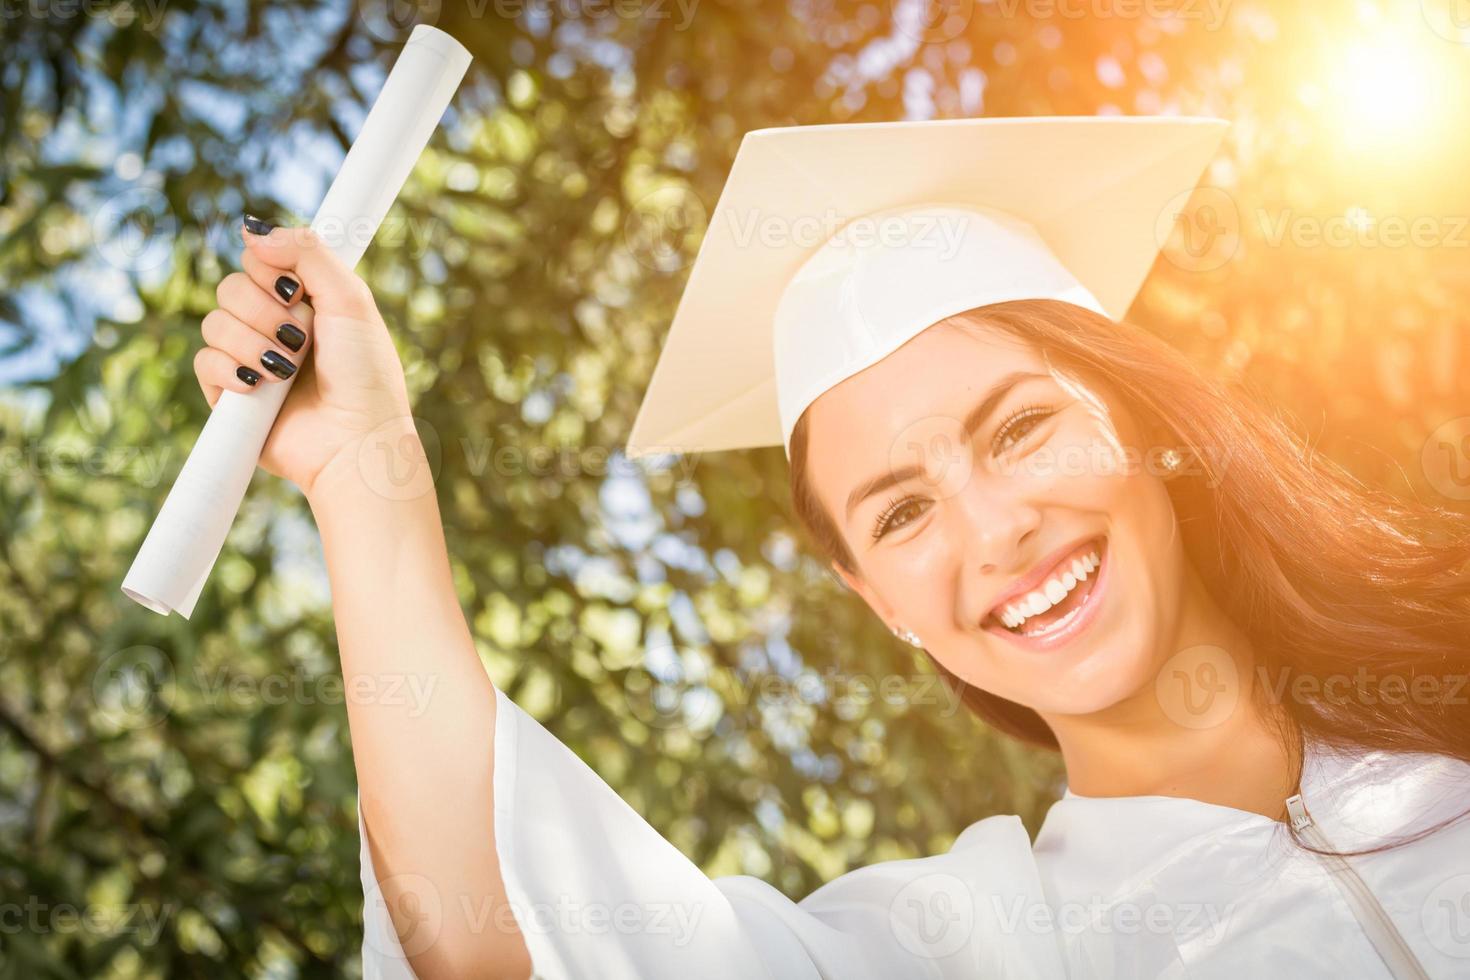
(1053, 591)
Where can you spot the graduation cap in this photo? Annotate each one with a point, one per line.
(833, 245)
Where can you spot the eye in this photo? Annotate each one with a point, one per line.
(897, 514)
(1018, 426)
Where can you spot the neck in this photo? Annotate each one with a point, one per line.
(1198, 733)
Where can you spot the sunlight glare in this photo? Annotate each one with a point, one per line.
(1385, 90)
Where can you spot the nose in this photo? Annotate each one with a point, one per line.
(998, 522)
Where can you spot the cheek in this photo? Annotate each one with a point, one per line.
(1157, 563)
(1146, 532)
(1094, 469)
(1089, 483)
(915, 579)
(1147, 575)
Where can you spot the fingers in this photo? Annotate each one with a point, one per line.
(280, 291)
(247, 347)
(290, 261)
(242, 296)
(217, 372)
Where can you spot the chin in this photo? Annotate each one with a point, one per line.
(1102, 678)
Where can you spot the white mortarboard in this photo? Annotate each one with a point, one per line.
(831, 246)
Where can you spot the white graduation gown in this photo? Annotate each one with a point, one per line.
(1114, 888)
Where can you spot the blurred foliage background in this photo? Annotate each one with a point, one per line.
(178, 798)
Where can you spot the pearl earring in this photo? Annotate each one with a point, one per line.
(907, 636)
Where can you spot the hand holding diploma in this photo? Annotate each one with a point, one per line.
(259, 338)
(352, 385)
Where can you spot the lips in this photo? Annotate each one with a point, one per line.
(1058, 584)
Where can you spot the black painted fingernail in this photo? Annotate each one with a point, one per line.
(286, 287)
(277, 365)
(257, 227)
(246, 375)
(290, 335)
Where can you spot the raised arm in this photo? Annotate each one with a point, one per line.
(420, 706)
(454, 778)
(422, 714)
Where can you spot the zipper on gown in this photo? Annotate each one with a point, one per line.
(1382, 933)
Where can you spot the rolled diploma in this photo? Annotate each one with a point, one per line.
(170, 568)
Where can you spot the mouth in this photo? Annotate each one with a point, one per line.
(1061, 605)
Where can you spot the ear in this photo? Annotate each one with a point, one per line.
(875, 602)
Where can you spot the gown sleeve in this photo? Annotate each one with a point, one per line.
(597, 892)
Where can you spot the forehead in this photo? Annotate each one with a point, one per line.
(855, 427)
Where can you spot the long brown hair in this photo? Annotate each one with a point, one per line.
(1329, 578)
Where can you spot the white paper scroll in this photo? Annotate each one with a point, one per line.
(181, 547)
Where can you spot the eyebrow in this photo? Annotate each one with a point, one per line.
(975, 418)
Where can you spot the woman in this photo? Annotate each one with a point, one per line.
(1118, 558)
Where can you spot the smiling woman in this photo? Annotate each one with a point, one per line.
(1118, 557)
(1066, 587)
(1199, 506)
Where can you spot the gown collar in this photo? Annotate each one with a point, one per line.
(1359, 798)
